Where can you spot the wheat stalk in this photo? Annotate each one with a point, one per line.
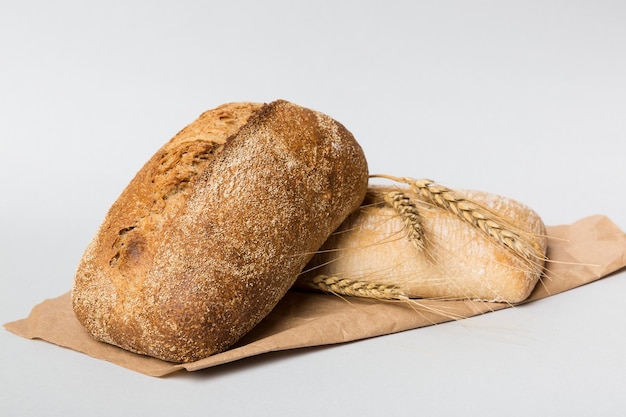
(472, 213)
(409, 213)
(366, 289)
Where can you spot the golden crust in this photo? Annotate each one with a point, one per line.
(215, 228)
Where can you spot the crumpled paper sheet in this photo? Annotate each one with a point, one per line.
(586, 251)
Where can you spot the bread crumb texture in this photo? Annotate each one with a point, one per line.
(215, 228)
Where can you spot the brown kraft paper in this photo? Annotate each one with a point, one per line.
(584, 251)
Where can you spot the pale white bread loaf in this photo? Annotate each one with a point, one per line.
(215, 227)
(373, 250)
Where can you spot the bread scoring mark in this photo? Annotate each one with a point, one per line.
(172, 172)
(170, 181)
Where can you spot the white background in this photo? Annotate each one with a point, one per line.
(525, 99)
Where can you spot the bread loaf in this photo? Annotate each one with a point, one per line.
(215, 227)
(375, 252)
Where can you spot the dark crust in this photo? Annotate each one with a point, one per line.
(215, 228)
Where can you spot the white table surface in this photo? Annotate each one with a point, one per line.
(525, 99)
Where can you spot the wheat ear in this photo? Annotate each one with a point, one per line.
(409, 213)
(471, 213)
(344, 286)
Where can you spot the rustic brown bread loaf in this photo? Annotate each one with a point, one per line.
(215, 227)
